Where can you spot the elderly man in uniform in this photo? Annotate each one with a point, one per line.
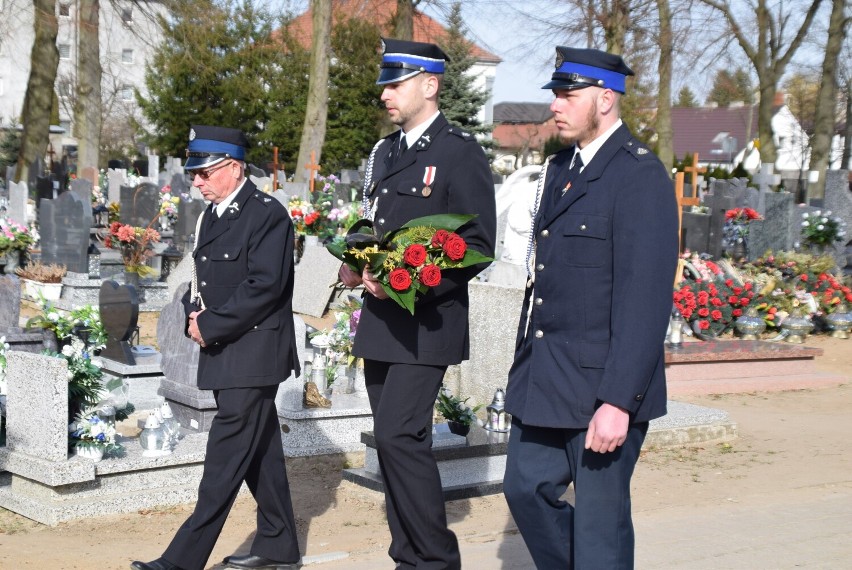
(588, 373)
(239, 311)
(427, 167)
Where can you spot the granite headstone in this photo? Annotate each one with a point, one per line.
(17, 208)
(140, 206)
(119, 309)
(65, 224)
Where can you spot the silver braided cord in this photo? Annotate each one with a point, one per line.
(531, 243)
(194, 293)
(368, 179)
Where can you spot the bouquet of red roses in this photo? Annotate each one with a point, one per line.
(409, 260)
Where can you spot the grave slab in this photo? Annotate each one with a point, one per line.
(320, 431)
(315, 275)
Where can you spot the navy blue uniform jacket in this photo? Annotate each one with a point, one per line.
(437, 334)
(605, 264)
(244, 263)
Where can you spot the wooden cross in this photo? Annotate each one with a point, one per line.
(274, 168)
(695, 171)
(681, 202)
(313, 167)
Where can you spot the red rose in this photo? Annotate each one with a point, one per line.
(748, 286)
(399, 279)
(108, 241)
(729, 282)
(804, 277)
(737, 312)
(415, 255)
(439, 238)
(686, 313)
(455, 247)
(717, 315)
(716, 302)
(704, 325)
(703, 312)
(113, 227)
(738, 290)
(430, 275)
(703, 297)
(849, 297)
(733, 299)
(744, 301)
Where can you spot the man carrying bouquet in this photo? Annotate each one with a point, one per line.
(428, 167)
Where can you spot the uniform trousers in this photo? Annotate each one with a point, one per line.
(595, 532)
(402, 398)
(244, 444)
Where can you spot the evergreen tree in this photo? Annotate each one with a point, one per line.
(686, 98)
(460, 100)
(730, 87)
(213, 67)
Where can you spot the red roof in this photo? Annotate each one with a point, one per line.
(381, 12)
(515, 136)
(697, 129)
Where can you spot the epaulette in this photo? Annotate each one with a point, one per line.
(262, 197)
(637, 149)
(461, 133)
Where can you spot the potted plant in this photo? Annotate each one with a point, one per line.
(14, 240)
(91, 436)
(42, 281)
(458, 414)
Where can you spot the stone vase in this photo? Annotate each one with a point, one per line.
(13, 261)
(458, 428)
(132, 278)
(89, 452)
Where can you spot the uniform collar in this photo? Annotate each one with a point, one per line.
(222, 206)
(588, 153)
(414, 134)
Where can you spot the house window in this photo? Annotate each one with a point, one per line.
(64, 51)
(64, 9)
(126, 93)
(65, 89)
(66, 124)
(127, 15)
(127, 56)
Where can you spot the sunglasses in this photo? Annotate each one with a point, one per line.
(207, 173)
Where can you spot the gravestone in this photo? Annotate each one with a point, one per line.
(263, 183)
(119, 309)
(10, 303)
(188, 212)
(44, 189)
(838, 197)
(83, 188)
(90, 174)
(153, 166)
(64, 224)
(765, 180)
(140, 206)
(36, 171)
(779, 228)
(725, 194)
(193, 408)
(696, 232)
(10, 172)
(297, 189)
(115, 179)
(17, 208)
(179, 184)
(140, 167)
(315, 277)
(282, 197)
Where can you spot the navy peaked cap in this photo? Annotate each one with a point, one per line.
(209, 145)
(578, 68)
(402, 59)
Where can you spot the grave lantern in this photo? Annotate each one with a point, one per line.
(676, 323)
(153, 438)
(796, 327)
(750, 325)
(840, 321)
(497, 413)
(318, 365)
(169, 259)
(170, 424)
(94, 257)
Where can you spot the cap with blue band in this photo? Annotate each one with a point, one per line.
(580, 68)
(209, 145)
(403, 60)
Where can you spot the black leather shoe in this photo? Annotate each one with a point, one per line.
(258, 563)
(158, 564)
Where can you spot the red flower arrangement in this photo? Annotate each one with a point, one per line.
(712, 306)
(409, 260)
(741, 215)
(135, 246)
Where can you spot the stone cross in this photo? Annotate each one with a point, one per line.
(683, 201)
(313, 168)
(153, 166)
(764, 180)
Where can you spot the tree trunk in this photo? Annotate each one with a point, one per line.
(617, 23)
(847, 136)
(824, 116)
(404, 20)
(665, 144)
(316, 114)
(87, 113)
(35, 115)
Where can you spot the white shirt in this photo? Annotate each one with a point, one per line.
(223, 205)
(591, 149)
(414, 134)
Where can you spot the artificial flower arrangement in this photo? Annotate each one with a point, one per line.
(135, 246)
(454, 409)
(712, 305)
(168, 204)
(410, 260)
(88, 430)
(14, 236)
(820, 229)
(313, 218)
(735, 230)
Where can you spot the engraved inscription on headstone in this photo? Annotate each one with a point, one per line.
(65, 224)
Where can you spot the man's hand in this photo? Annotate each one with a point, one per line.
(348, 277)
(608, 429)
(372, 285)
(194, 333)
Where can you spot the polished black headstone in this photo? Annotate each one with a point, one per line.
(140, 206)
(119, 308)
(65, 224)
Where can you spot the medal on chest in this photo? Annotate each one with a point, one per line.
(428, 179)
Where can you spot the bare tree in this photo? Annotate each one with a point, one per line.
(665, 144)
(825, 115)
(316, 114)
(38, 101)
(769, 56)
(87, 108)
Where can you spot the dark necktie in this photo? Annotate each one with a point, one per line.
(403, 146)
(573, 172)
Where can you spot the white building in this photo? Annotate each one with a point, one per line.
(128, 33)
